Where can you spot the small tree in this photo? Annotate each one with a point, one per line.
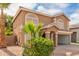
(32, 29)
(9, 26)
(37, 46)
(2, 24)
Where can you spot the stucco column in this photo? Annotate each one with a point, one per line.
(70, 38)
(47, 35)
(52, 36)
(56, 39)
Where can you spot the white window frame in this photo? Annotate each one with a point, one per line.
(60, 22)
(27, 17)
(35, 20)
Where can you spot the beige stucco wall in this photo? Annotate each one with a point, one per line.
(76, 30)
(17, 27)
(41, 18)
(20, 21)
(65, 21)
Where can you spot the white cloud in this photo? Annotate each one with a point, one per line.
(74, 18)
(41, 8)
(14, 7)
(75, 15)
(62, 5)
(48, 11)
(53, 11)
(27, 5)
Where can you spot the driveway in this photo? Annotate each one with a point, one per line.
(66, 50)
(11, 51)
(61, 50)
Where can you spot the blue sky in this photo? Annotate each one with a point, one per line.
(69, 9)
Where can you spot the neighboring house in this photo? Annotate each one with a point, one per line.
(55, 27)
(75, 35)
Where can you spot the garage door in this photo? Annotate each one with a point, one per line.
(63, 39)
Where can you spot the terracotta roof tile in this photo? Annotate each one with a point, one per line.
(41, 13)
(74, 26)
(50, 25)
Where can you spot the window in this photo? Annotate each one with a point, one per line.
(31, 17)
(27, 37)
(60, 23)
(54, 20)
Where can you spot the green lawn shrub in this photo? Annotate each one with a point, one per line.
(38, 47)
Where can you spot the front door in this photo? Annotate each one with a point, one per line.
(73, 37)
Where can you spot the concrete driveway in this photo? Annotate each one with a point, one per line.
(11, 51)
(66, 50)
(61, 50)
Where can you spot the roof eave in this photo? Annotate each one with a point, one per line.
(37, 12)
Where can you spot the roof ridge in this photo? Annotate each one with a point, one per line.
(57, 14)
(37, 12)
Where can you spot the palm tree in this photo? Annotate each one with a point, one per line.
(32, 29)
(2, 24)
(9, 27)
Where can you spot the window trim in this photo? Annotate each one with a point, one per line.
(34, 18)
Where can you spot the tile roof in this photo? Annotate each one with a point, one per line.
(50, 25)
(74, 26)
(37, 12)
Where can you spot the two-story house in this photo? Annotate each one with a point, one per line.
(55, 27)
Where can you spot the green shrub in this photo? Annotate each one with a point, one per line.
(38, 47)
(8, 32)
(9, 27)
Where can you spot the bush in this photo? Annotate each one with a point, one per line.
(8, 32)
(38, 47)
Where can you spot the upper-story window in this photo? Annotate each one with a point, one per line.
(54, 20)
(60, 23)
(31, 17)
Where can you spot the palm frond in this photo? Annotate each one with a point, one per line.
(4, 5)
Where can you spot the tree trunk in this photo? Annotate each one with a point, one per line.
(2, 30)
